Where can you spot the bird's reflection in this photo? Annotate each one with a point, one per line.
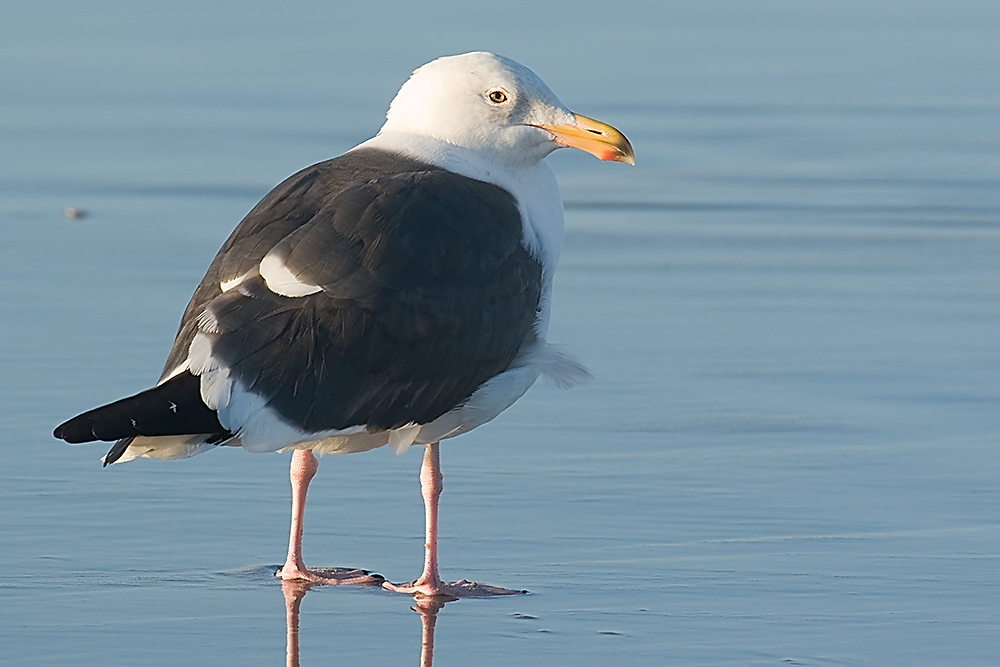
(428, 609)
(294, 591)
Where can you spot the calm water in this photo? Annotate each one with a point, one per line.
(790, 453)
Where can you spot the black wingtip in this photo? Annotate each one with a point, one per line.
(76, 430)
(117, 450)
(172, 408)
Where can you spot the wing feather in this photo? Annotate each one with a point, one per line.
(426, 293)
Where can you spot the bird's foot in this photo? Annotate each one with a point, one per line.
(333, 576)
(447, 592)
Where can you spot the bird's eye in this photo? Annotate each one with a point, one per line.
(497, 96)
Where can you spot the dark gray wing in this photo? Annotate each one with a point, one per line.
(427, 292)
(287, 207)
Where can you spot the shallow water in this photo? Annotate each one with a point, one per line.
(790, 451)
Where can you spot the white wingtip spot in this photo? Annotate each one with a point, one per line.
(281, 281)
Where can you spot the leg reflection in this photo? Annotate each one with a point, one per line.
(293, 591)
(428, 609)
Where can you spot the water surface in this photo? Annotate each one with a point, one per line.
(790, 451)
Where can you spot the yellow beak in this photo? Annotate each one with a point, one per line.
(595, 137)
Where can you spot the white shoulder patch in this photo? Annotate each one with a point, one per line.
(282, 281)
(227, 285)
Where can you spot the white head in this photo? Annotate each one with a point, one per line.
(497, 107)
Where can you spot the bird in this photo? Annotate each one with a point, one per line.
(398, 294)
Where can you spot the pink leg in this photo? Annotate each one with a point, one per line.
(431, 486)
(429, 584)
(301, 472)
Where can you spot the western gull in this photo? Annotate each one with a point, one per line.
(398, 294)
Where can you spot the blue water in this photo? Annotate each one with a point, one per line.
(791, 452)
